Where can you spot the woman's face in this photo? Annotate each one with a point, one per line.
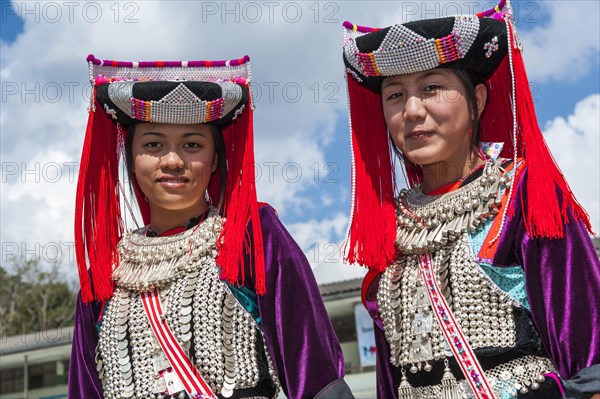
(428, 117)
(173, 164)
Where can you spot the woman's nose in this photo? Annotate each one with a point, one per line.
(414, 108)
(171, 160)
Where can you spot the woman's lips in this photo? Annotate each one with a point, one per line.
(172, 182)
(417, 135)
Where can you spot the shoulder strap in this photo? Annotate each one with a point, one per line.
(192, 381)
(462, 351)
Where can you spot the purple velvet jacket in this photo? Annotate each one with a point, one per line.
(562, 278)
(297, 330)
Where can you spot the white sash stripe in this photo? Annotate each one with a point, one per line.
(193, 382)
(152, 310)
(166, 344)
(185, 370)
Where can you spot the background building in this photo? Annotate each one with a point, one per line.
(35, 366)
(343, 302)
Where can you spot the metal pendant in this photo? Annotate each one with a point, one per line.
(405, 390)
(450, 387)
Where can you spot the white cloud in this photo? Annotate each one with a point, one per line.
(283, 172)
(37, 208)
(321, 241)
(575, 144)
(326, 200)
(565, 47)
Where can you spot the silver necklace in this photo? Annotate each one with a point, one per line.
(428, 222)
(146, 263)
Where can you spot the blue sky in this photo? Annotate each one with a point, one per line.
(12, 24)
(300, 126)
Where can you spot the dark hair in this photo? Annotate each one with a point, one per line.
(469, 79)
(219, 151)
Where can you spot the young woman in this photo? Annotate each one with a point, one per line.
(212, 298)
(484, 282)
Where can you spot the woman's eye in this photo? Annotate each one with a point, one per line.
(152, 144)
(394, 96)
(192, 145)
(431, 87)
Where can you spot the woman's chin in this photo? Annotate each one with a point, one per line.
(421, 157)
(174, 204)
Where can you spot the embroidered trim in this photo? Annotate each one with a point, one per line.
(211, 71)
(493, 286)
(458, 344)
(180, 106)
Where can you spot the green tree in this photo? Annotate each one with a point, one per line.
(34, 297)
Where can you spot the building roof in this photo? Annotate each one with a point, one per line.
(341, 288)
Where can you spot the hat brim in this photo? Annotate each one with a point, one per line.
(173, 102)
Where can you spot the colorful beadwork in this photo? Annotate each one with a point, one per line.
(368, 61)
(166, 64)
(214, 109)
(447, 49)
(141, 110)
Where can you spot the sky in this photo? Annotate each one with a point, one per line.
(301, 116)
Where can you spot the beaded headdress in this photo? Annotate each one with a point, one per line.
(174, 92)
(418, 46)
(486, 44)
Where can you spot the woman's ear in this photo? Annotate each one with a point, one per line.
(215, 163)
(481, 97)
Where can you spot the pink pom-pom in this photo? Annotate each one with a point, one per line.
(100, 80)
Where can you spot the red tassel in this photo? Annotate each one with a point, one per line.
(545, 213)
(373, 229)
(240, 206)
(544, 216)
(98, 224)
(84, 277)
